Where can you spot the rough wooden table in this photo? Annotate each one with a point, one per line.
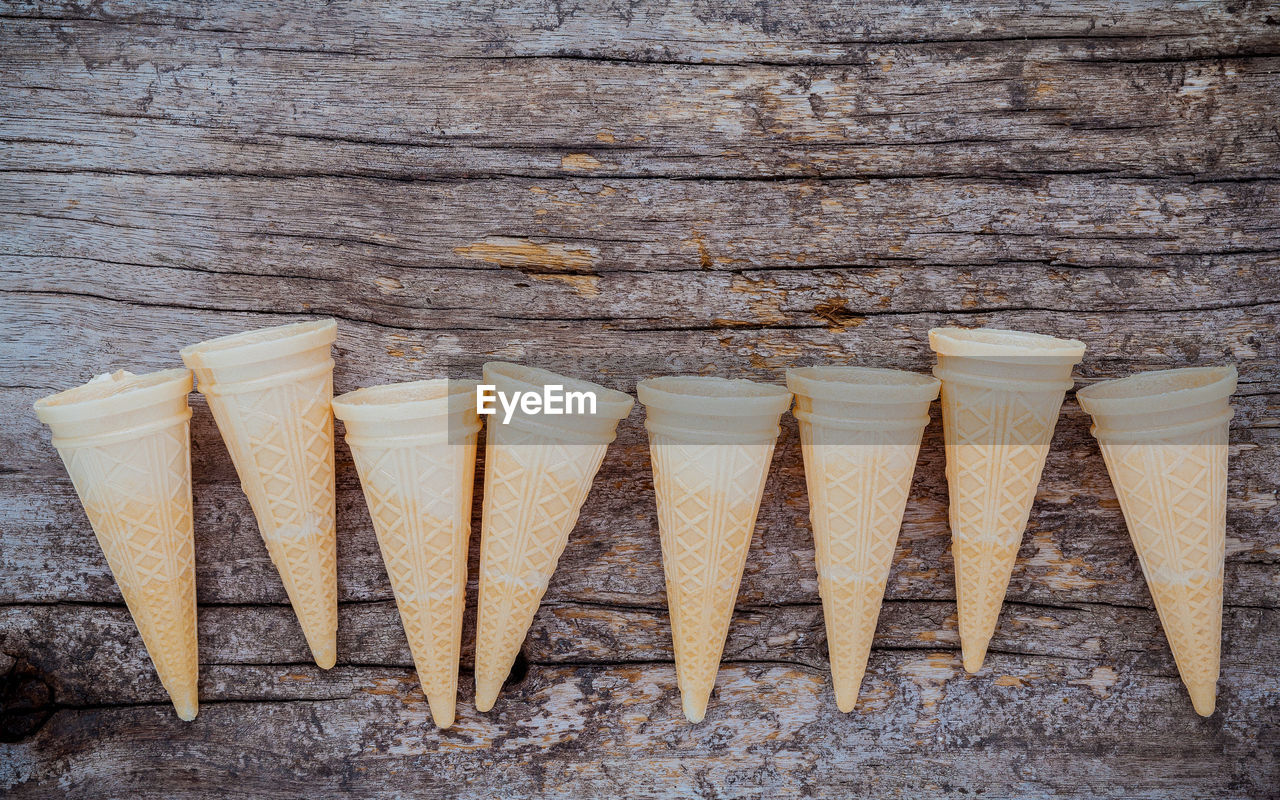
(623, 189)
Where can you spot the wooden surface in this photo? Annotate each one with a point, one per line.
(621, 190)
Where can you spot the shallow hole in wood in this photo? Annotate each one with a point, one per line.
(26, 702)
(519, 671)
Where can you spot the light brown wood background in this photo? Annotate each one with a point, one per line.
(621, 189)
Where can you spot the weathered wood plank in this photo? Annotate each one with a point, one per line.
(323, 227)
(88, 96)
(795, 297)
(702, 32)
(579, 731)
(91, 655)
(147, 337)
(46, 328)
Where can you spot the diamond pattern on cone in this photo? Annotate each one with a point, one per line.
(137, 495)
(1174, 503)
(708, 497)
(996, 445)
(857, 495)
(281, 442)
(534, 488)
(419, 496)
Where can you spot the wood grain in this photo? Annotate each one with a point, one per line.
(619, 190)
(697, 90)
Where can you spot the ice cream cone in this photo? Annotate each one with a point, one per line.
(711, 441)
(538, 471)
(125, 440)
(860, 432)
(414, 445)
(1001, 394)
(270, 392)
(1164, 437)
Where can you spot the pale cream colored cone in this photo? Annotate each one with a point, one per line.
(711, 441)
(538, 471)
(270, 392)
(125, 440)
(1164, 437)
(1001, 394)
(414, 445)
(860, 432)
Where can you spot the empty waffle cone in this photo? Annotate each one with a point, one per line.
(860, 432)
(125, 440)
(1001, 394)
(538, 471)
(414, 445)
(1164, 437)
(711, 442)
(270, 392)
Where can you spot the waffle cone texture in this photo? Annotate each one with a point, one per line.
(538, 472)
(270, 392)
(1001, 394)
(414, 445)
(860, 432)
(1164, 437)
(711, 441)
(125, 441)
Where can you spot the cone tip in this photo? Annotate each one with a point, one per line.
(1204, 699)
(846, 699)
(186, 709)
(487, 689)
(326, 657)
(973, 653)
(442, 710)
(694, 710)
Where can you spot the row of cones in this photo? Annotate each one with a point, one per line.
(125, 442)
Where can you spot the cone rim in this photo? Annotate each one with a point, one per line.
(406, 400)
(714, 396)
(260, 344)
(113, 393)
(1158, 390)
(610, 403)
(1002, 342)
(863, 384)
